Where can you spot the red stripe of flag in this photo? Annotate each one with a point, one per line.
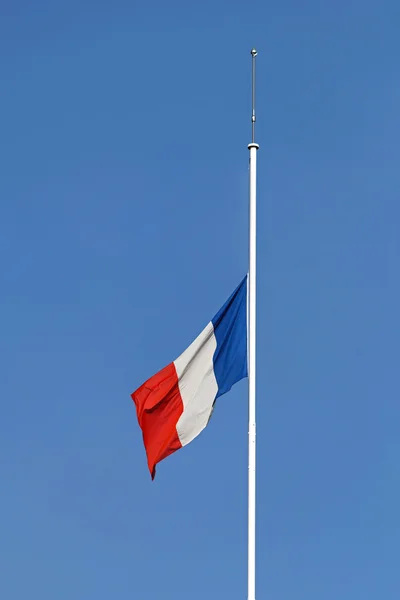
(159, 406)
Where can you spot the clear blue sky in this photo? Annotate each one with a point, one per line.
(123, 229)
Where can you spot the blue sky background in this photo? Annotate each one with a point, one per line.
(123, 229)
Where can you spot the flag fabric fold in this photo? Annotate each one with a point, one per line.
(175, 405)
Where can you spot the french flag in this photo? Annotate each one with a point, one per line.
(175, 405)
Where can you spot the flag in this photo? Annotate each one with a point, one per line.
(175, 405)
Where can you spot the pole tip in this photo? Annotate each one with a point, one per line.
(253, 52)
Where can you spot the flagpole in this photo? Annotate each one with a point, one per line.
(253, 147)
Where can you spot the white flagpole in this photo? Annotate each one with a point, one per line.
(253, 147)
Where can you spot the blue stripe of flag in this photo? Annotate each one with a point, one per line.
(230, 330)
